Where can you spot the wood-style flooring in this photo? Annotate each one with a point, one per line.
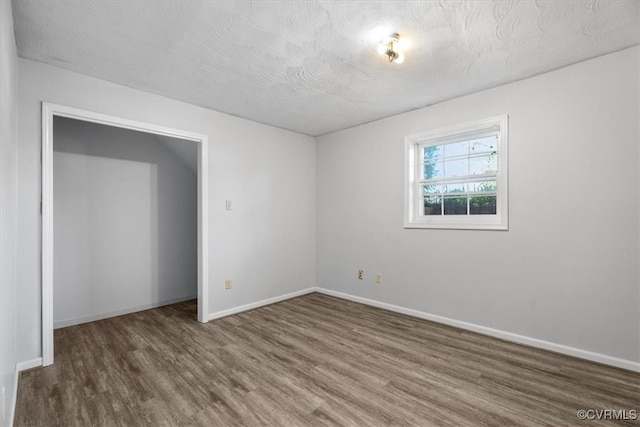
(312, 360)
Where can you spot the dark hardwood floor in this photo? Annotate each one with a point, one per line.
(312, 360)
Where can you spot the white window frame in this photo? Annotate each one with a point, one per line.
(413, 201)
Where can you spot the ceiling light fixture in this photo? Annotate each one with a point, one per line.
(390, 46)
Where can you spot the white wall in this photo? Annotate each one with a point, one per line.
(8, 213)
(266, 244)
(566, 271)
(125, 222)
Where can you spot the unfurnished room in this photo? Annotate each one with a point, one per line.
(305, 213)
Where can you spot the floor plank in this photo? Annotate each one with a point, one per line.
(313, 360)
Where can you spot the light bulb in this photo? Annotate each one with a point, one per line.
(400, 58)
(382, 49)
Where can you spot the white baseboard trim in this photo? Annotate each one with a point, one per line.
(20, 366)
(257, 304)
(71, 322)
(496, 333)
(28, 364)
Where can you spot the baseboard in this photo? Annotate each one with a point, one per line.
(28, 364)
(258, 304)
(20, 367)
(128, 310)
(496, 333)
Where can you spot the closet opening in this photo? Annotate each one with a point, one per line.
(124, 218)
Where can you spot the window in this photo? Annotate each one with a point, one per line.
(457, 177)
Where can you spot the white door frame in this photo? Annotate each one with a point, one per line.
(50, 110)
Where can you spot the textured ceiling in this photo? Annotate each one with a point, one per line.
(311, 66)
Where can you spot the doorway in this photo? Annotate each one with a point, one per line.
(53, 112)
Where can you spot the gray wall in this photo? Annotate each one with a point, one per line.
(125, 222)
(8, 204)
(566, 271)
(266, 244)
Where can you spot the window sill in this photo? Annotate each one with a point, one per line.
(490, 224)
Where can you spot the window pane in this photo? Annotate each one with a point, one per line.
(433, 170)
(484, 186)
(431, 190)
(488, 144)
(455, 206)
(482, 205)
(431, 154)
(455, 188)
(456, 149)
(458, 167)
(484, 164)
(433, 206)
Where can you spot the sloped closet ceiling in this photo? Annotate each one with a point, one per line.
(312, 66)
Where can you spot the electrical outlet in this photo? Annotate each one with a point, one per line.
(379, 278)
(228, 284)
(361, 274)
